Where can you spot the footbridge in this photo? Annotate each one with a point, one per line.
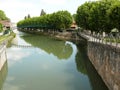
(22, 46)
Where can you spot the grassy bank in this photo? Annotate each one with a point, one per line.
(8, 37)
(112, 40)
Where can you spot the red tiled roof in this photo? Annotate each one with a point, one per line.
(73, 25)
(6, 23)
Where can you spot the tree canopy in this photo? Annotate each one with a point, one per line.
(56, 21)
(99, 16)
(42, 12)
(3, 16)
(1, 27)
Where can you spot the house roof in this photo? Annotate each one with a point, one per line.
(74, 25)
(5, 23)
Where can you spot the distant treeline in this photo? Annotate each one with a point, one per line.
(55, 21)
(99, 16)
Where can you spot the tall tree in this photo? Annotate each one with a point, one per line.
(29, 16)
(99, 15)
(3, 16)
(42, 12)
(114, 15)
(25, 17)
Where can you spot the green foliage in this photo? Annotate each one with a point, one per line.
(114, 15)
(74, 16)
(26, 17)
(6, 32)
(112, 40)
(29, 16)
(98, 15)
(57, 20)
(3, 16)
(1, 27)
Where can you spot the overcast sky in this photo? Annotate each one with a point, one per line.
(17, 9)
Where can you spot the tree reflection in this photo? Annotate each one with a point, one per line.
(3, 74)
(84, 66)
(80, 62)
(50, 45)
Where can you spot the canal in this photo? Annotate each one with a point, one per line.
(36, 62)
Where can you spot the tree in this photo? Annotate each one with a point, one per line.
(29, 16)
(74, 16)
(82, 16)
(42, 12)
(56, 21)
(61, 20)
(95, 15)
(3, 16)
(114, 15)
(25, 17)
(1, 27)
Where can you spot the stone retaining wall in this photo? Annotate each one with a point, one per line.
(106, 60)
(3, 57)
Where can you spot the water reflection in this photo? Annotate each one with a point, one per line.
(59, 48)
(63, 51)
(39, 68)
(3, 74)
(80, 60)
(16, 56)
(84, 66)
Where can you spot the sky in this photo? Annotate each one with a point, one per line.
(17, 9)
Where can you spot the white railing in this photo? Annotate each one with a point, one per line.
(108, 39)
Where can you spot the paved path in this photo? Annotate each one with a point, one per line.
(93, 39)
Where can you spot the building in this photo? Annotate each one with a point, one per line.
(74, 25)
(6, 24)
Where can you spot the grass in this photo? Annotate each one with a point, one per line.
(112, 40)
(2, 38)
(5, 37)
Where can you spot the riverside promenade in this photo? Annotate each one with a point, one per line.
(98, 40)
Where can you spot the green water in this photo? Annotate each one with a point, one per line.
(44, 63)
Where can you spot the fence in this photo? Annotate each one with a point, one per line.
(112, 39)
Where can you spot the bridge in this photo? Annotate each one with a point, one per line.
(22, 46)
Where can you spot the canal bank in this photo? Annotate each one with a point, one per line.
(3, 44)
(106, 60)
(3, 74)
(64, 35)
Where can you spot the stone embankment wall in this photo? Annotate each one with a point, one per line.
(106, 60)
(3, 56)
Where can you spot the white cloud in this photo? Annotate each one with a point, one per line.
(16, 56)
